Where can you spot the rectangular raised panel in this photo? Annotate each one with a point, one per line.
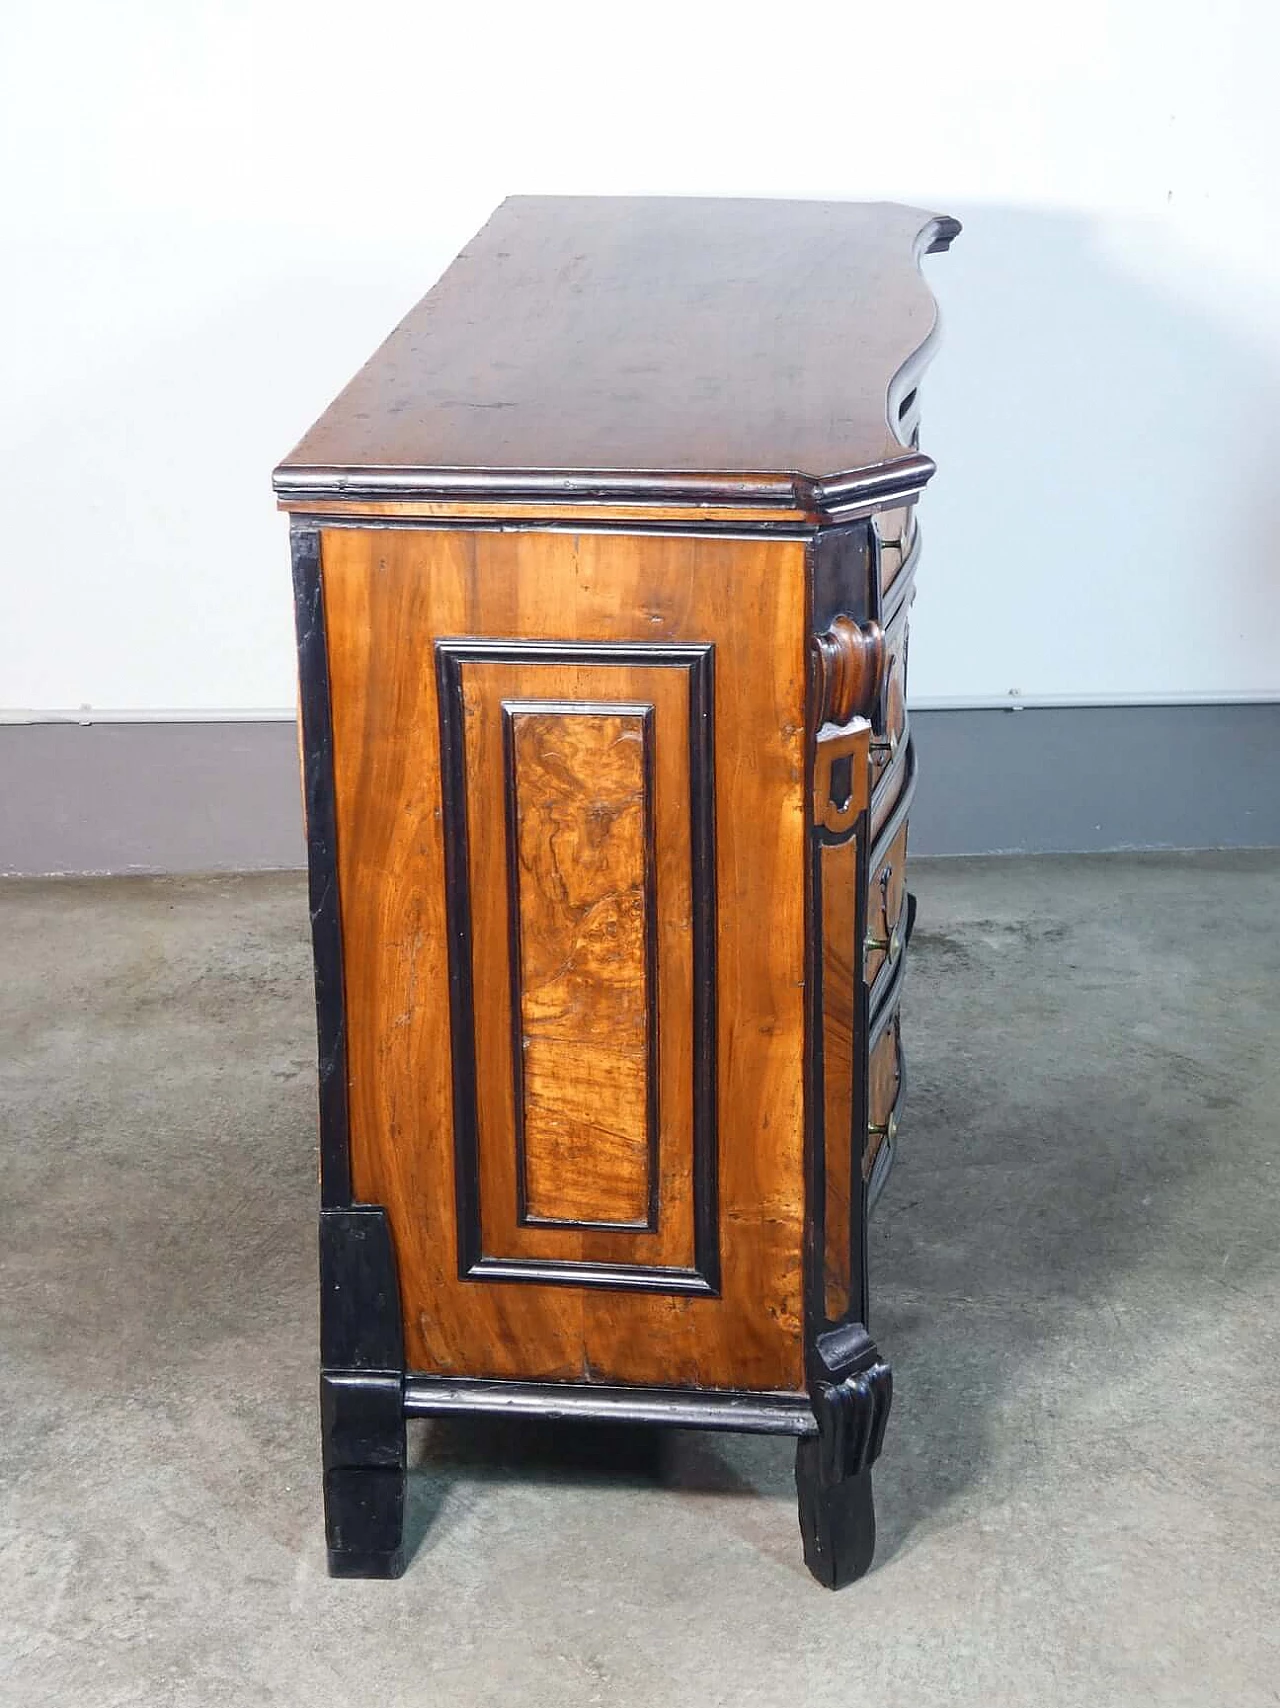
(577, 814)
(581, 857)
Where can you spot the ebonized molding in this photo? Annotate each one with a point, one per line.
(474, 1263)
(322, 864)
(822, 497)
(676, 1408)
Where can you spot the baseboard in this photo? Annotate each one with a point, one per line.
(1091, 779)
(150, 797)
(223, 796)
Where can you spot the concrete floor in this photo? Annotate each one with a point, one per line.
(1076, 1276)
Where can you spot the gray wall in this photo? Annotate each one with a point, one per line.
(200, 797)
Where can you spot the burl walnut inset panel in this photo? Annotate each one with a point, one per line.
(584, 949)
(626, 621)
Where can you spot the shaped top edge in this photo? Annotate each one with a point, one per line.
(649, 350)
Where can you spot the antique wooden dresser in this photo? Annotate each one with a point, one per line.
(603, 565)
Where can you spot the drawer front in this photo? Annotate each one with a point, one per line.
(884, 1091)
(896, 532)
(886, 909)
(888, 752)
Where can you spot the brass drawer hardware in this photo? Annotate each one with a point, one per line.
(890, 944)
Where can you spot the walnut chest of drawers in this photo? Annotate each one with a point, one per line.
(602, 566)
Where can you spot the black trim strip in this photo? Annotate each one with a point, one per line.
(840, 578)
(473, 1263)
(322, 866)
(677, 1408)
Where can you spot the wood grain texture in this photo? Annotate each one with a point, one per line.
(883, 1080)
(886, 898)
(734, 346)
(888, 760)
(388, 596)
(491, 683)
(690, 513)
(896, 529)
(580, 850)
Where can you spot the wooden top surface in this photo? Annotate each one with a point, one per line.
(660, 349)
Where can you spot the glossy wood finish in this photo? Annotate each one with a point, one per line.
(884, 1077)
(747, 597)
(603, 569)
(580, 850)
(666, 690)
(892, 777)
(895, 529)
(886, 903)
(691, 513)
(672, 349)
(851, 661)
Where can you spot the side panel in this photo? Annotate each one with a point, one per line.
(607, 754)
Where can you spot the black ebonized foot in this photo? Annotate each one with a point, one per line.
(361, 1395)
(851, 1390)
(837, 1521)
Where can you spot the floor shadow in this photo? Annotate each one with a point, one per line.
(492, 1450)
